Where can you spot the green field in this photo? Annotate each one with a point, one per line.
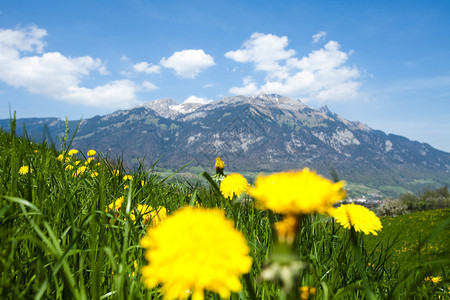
(419, 237)
(59, 239)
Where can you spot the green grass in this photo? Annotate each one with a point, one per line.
(58, 242)
(393, 189)
(419, 236)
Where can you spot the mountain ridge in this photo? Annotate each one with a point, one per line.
(258, 133)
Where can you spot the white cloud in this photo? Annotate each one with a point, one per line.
(188, 63)
(265, 51)
(319, 36)
(148, 86)
(147, 68)
(124, 58)
(126, 73)
(321, 75)
(195, 99)
(249, 87)
(54, 75)
(28, 39)
(327, 58)
(112, 94)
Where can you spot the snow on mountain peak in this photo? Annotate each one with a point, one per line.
(170, 108)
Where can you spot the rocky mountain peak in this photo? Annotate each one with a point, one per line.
(261, 101)
(278, 101)
(170, 108)
(325, 110)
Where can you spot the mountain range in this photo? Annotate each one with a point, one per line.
(263, 133)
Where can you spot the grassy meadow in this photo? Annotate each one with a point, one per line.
(64, 236)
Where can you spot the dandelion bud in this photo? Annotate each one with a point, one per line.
(220, 165)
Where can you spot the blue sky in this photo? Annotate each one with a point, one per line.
(384, 63)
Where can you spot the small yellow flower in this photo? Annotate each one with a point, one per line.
(149, 214)
(94, 174)
(60, 157)
(436, 279)
(287, 229)
(433, 279)
(135, 264)
(306, 291)
(77, 162)
(219, 165)
(126, 186)
(35, 151)
(79, 171)
(72, 152)
(358, 217)
(159, 215)
(143, 182)
(91, 153)
(68, 167)
(144, 211)
(89, 160)
(127, 177)
(233, 184)
(116, 205)
(296, 192)
(195, 250)
(115, 172)
(25, 170)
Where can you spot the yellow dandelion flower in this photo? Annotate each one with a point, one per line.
(94, 174)
(296, 192)
(79, 171)
(159, 215)
(68, 167)
(116, 205)
(358, 217)
(436, 279)
(195, 250)
(149, 214)
(135, 264)
(72, 152)
(287, 229)
(91, 153)
(143, 182)
(60, 157)
(233, 184)
(115, 172)
(306, 291)
(126, 186)
(35, 151)
(89, 160)
(127, 177)
(144, 211)
(219, 165)
(77, 162)
(24, 170)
